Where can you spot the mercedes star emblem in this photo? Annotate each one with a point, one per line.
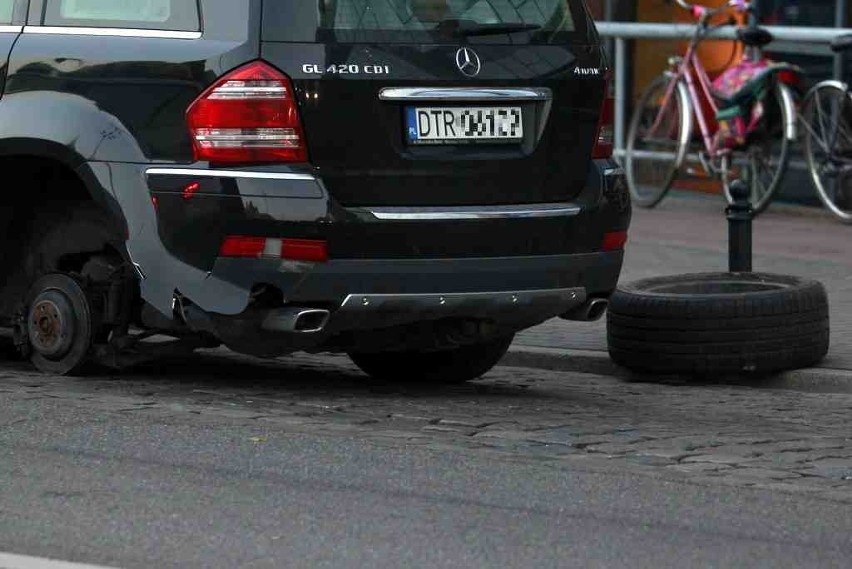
(468, 62)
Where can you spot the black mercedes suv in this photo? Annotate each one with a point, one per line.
(410, 182)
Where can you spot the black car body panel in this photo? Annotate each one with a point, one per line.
(358, 140)
(398, 219)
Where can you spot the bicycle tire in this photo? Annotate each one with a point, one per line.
(679, 139)
(822, 148)
(774, 119)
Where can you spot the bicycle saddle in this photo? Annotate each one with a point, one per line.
(842, 43)
(755, 37)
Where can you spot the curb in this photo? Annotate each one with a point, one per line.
(812, 380)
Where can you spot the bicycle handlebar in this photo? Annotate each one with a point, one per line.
(704, 13)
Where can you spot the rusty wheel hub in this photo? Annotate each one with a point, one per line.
(51, 324)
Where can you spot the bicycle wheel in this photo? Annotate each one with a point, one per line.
(657, 141)
(827, 121)
(764, 160)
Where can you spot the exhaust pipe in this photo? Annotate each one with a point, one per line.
(296, 320)
(591, 311)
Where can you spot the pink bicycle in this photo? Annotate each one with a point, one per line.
(746, 118)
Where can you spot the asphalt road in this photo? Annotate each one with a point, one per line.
(227, 462)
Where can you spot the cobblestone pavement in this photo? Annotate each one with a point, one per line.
(730, 435)
(688, 234)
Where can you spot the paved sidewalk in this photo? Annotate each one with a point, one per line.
(687, 233)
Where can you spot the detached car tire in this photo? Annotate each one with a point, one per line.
(719, 324)
(447, 367)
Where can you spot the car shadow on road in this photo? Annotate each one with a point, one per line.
(299, 375)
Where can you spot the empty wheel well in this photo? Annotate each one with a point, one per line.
(51, 223)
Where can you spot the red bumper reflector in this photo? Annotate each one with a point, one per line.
(310, 250)
(615, 241)
(305, 250)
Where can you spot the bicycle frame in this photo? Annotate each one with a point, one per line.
(692, 72)
(745, 142)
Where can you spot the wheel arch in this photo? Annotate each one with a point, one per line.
(53, 188)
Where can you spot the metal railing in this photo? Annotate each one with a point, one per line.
(623, 31)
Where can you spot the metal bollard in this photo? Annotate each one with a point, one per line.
(740, 215)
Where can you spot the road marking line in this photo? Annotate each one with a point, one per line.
(11, 561)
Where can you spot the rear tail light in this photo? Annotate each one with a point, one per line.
(249, 115)
(238, 246)
(605, 136)
(615, 241)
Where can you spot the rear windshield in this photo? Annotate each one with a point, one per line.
(423, 21)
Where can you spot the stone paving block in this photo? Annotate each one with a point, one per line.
(762, 474)
(700, 467)
(651, 460)
(413, 418)
(504, 435)
(611, 448)
(835, 468)
(694, 442)
(664, 454)
(461, 423)
(791, 459)
(717, 459)
(466, 431)
(800, 446)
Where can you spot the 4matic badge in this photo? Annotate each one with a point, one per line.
(586, 71)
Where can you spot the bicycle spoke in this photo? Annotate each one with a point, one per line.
(821, 118)
(844, 132)
(814, 136)
(764, 168)
(758, 188)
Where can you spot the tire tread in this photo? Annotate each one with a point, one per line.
(709, 334)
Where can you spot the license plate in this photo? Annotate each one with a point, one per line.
(463, 125)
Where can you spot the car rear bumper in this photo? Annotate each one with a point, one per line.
(332, 282)
(364, 304)
(510, 267)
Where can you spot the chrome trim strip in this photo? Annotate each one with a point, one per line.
(118, 32)
(366, 302)
(11, 29)
(362, 311)
(464, 94)
(475, 212)
(202, 173)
